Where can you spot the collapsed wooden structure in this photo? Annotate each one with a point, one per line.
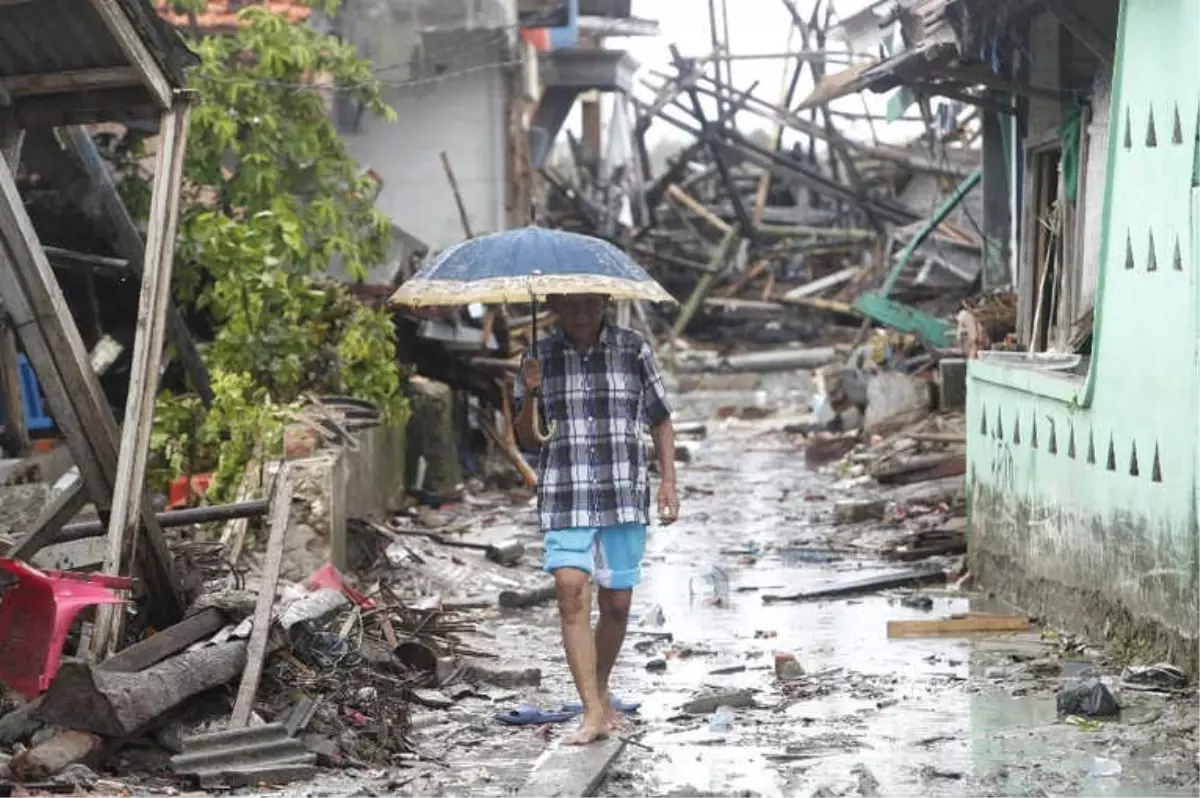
(116, 62)
(743, 225)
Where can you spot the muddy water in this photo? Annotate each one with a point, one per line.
(941, 716)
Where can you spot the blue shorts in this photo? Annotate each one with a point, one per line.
(611, 554)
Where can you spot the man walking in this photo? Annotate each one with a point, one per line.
(598, 386)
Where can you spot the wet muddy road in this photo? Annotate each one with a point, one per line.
(872, 716)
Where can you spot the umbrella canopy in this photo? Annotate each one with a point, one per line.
(530, 262)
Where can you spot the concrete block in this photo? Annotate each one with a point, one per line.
(952, 374)
(890, 393)
(852, 511)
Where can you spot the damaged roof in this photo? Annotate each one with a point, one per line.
(81, 61)
(221, 16)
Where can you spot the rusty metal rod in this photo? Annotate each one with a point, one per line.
(173, 518)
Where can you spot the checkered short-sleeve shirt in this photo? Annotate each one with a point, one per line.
(593, 471)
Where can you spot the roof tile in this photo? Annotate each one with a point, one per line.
(221, 15)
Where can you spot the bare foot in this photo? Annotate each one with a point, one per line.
(613, 719)
(589, 731)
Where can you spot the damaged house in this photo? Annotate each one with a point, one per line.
(1083, 444)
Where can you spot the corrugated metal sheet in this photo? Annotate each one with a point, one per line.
(48, 36)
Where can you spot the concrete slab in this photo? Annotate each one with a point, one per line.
(568, 770)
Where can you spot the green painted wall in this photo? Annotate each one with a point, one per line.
(1084, 489)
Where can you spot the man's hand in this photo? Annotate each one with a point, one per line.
(531, 375)
(668, 503)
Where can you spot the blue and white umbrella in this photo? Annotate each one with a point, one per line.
(524, 264)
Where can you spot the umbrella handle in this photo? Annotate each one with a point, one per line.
(537, 423)
(542, 437)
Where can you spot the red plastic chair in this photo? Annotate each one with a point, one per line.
(35, 616)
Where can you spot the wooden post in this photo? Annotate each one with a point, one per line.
(717, 264)
(112, 213)
(256, 650)
(147, 357)
(11, 138)
(458, 200)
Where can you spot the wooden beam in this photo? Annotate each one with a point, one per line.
(718, 265)
(72, 80)
(256, 650)
(572, 769)
(696, 207)
(958, 624)
(45, 328)
(1082, 29)
(147, 358)
(112, 213)
(135, 50)
(822, 283)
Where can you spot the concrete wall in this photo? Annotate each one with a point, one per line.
(449, 88)
(1083, 488)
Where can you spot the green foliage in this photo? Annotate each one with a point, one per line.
(270, 195)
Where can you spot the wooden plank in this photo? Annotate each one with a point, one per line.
(112, 213)
(718, 263)
(922, 469)
(48, 334)
(696, 207)
(572, 770)
(822, 284)
(72, 80)
(10, 390)
(233, 537)
(55, 349)
(957, 625)
(871, 584)
(143, 383)
(135, 50)
(167, 643)
(281, 505)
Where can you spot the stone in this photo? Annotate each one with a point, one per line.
(656, 665)
(917, 601)
(1044, 667)
(503, 677)
(853, 511)
(787, 668)
(434, 699)
(53, 755)
(706, 705)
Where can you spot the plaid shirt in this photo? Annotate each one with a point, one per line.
(593, 472)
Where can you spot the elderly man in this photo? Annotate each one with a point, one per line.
(599, 387)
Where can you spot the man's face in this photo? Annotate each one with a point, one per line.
(578, 314)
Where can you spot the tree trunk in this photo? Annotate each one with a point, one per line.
(119, 704)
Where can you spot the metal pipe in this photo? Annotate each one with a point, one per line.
(173, 518)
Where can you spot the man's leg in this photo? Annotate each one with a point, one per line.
(619, 551)
(568, 555)
(610, 635)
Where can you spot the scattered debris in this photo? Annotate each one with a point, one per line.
(858, 587)
(1088, 698)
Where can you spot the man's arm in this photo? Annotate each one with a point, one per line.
(668, 497)
(658, 413)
